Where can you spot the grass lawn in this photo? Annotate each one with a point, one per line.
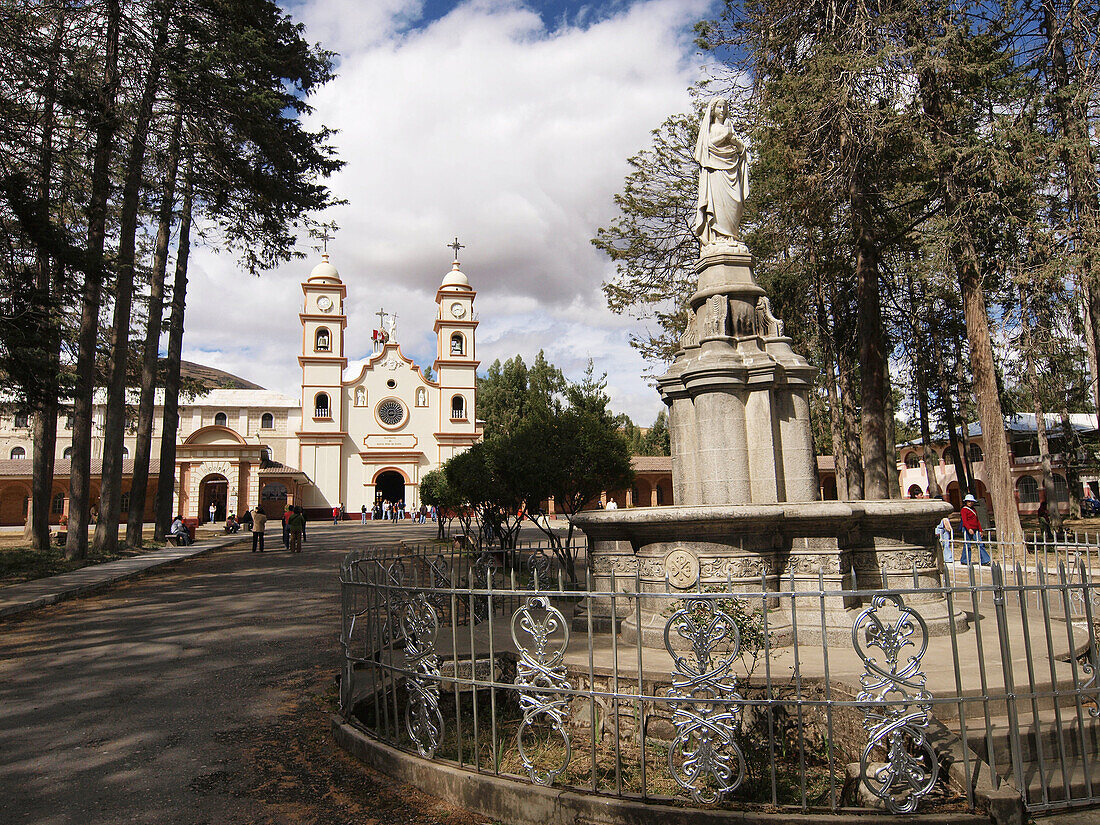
(20, 563)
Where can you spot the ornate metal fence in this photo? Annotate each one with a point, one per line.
(733, 698)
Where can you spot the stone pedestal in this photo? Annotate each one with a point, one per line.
(738, 396)
(859, 545)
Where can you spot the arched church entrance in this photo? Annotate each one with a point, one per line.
(214, 489)
(273, 499)
(389, 486)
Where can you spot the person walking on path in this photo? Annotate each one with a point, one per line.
(259, 522)
(287, 513)
(972, 532)
(297, 525)
(363, 515)
(336, 515)
(945, 531)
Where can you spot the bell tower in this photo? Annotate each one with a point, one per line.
(323, 363)
(455, 364)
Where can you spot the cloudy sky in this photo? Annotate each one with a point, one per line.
(504, 123)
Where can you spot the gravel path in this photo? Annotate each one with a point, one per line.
(200, 694)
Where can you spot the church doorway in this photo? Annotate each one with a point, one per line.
(214, 489)
(389, 486)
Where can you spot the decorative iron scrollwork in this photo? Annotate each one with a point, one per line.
(481, 576)
(540, 676)
(895, 705)
(540, 565)
(423, 721)
(705, 758)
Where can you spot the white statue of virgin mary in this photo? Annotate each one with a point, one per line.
(723, 178)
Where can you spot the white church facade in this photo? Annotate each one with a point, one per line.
(358, 431)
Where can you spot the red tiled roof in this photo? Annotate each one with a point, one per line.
(651, 463)
(24, 467)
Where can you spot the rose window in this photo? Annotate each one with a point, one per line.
(391, 412)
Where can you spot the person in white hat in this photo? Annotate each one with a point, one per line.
(972, 531)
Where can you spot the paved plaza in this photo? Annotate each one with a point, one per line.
(197, 694)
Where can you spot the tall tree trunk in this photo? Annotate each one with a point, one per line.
(997, 470)
(47, 284)
(872, 354)
(854, 458)
(1027, 321)
(140, 480)
(952, 422)
(114, 430)
(1070, 449)
(166, 483)
(920, 348)
(836, 414)
(76, 546)
(893, 475)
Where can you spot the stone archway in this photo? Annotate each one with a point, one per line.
(213, 489)
(389, 485)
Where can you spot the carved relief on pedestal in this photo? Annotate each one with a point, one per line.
(743, 314)
(767, 324)
(716, 321)
(681, 568)
(690, 338)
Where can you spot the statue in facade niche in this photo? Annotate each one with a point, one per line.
(723, 178)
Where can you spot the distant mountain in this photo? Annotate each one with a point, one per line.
(212, 378)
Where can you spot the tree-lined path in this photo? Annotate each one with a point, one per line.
(200, 694)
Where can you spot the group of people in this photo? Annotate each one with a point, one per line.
(294, 528)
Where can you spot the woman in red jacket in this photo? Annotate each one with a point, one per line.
(972, 531)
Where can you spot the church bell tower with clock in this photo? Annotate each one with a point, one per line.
(456, 360)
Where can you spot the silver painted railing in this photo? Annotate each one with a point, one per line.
(737, 697)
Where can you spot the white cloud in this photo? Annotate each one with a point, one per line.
(484, 124)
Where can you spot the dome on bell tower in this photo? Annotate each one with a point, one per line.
(455, 278)
(324, 272)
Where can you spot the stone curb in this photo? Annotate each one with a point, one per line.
(523, 803)
(21, 598)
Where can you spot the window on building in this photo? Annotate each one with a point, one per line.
(221, 420)
(912, 461)
(68, 453)
(458, 407)
(18, 452)
(949, 456)
(322, 342)
(57, 506)
(320, 406)
(421, 397)
(360, 397)
(267, 421)
(458, 344)
(975, 454)
(265, 456)
(124, 502)
(69, 421)
(125, 452)
(22, 420)
(391, 412)
(1028, 489)
(1061, 489)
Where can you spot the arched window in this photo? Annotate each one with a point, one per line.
(320, 406)
(22, 420)
(1061, 489)
(421, 397)
(912, 461)
(125, 452)
(265, 456)
(975, 454)
(949, 456)
(322, 343)
(18, 452)
(458, 407)
(360, 397)
(267, 421)
(124, 502)
(458, 344)
(915, 491)
(57, 506)
(221, 420)
(68, 453)
(1028, 488)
